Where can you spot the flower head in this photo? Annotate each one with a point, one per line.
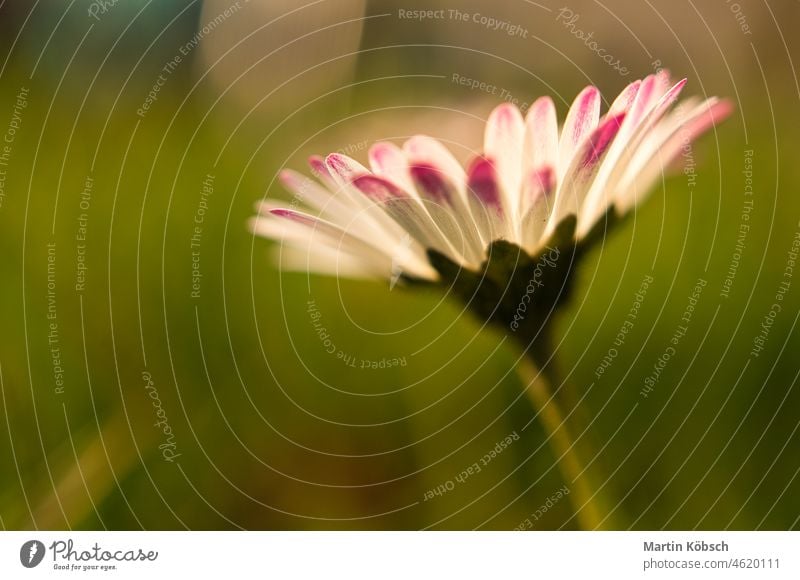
(416, 209)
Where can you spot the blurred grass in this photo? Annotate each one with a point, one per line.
(266, 439)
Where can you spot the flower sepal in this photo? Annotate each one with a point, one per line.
(520, 293)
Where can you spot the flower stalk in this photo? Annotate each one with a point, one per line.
(521, 293)
(560, 439)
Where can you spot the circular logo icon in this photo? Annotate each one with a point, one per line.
(31, 553)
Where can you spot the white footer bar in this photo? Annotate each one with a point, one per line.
(401, 555)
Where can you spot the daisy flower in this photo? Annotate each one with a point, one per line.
(530, 181)
(504, 233)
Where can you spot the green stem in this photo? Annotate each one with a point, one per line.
(552, 420)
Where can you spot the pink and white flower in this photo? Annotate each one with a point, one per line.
(379, 222)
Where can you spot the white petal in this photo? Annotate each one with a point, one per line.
(426, 150)
(582, 119)
(344, 171)
(448, 210)
(408, 212)
(503, 143)
(646, 168)
(624, 100)
(310, 257)
(286, 223)
(389, 161)
(305, 231)
(583, 169)
(485, 199)
(424, 154)
(541, 142)
(641, 117)
(538, 188)
(316, 196)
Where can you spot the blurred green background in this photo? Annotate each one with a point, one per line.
(268, 429)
